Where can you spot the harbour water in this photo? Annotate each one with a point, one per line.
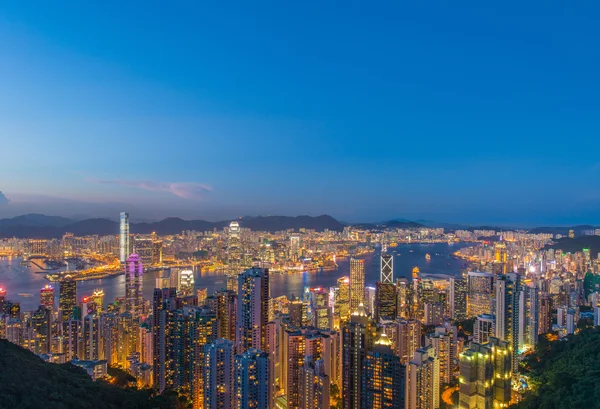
(23, 282)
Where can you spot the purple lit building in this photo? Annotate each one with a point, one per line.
(134, 291)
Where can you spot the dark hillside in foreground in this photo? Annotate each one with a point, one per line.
(565, 373)
(27, 382)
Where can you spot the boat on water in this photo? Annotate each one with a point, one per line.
(427, 257)
(25, 295)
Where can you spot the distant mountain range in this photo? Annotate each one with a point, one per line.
(41, 226)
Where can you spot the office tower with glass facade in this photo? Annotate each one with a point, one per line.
(480, 293)
(124, 246)
(357, 283)
(341, 304)
(67, 298)
(386, 274)
(320, 313)
(528, 317)
(386, 301)
(47, 297)
(458, 298)
(234, 249)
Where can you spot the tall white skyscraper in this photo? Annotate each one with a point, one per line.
(124, 237)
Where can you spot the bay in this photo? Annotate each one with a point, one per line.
(23, 283)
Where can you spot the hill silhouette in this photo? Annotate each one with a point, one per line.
(27, 382)
(40, 226)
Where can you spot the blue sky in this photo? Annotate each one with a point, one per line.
(470, 112)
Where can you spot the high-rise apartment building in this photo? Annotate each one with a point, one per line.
(545, 313)
(485, 375)
(252, 382)
(484, 328)
(528, 317)
(143, 247)
(355, 341)
(357, 283)
(407, 339)
(508, 289)
(314, 385)
(252, 309)
(423, 380)
(383, 377)
(219, 372)
(124, 245)
(226, 310)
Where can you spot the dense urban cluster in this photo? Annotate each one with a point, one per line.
(416, 343)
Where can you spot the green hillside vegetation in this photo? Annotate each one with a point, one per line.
(28, 382)
(565, 373)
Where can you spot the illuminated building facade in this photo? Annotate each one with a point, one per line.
(124, 245)
(386, 302)
(143, 248)
(387, 268)
(252, 382)
(67, 298)
(134, 290)
(407, 339)
(186, 282)
(383, 378)
(481, 293)
(342, 301)
(253, 309)
(485, 375)
(234, 249)
(508, 289)
(357, 283)
(47, 297)
(219, 383)
(423, 380)
(355, 341)
(484, 328)
(458, 298)
(314, 385)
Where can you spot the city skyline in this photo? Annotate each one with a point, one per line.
(461, 114)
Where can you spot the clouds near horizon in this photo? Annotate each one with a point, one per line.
(186, 190)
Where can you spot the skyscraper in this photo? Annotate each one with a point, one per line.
(528, 317)
(357, 283)
(67, 298)
(219, 383)
(134, 291)
(143, 247)
(319, 308)
(47, 297)
(408, 339)
(252, 309)
(342, 302)
(186, 282)
(124, 246)
(485, 375)
(314, 385)
(387, 268)
(355, 340)
(484, 328)
(234, 249)
(458, 298)
(383, 378)
(508, 288)
(226, 310)
(481, 292)
(423, 380)
(97, 298)
(252, 383)
(163, 303)
(386, 302)
(545, 313)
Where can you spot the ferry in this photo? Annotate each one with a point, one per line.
(427, 257)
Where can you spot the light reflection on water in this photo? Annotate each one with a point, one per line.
(20, 279)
